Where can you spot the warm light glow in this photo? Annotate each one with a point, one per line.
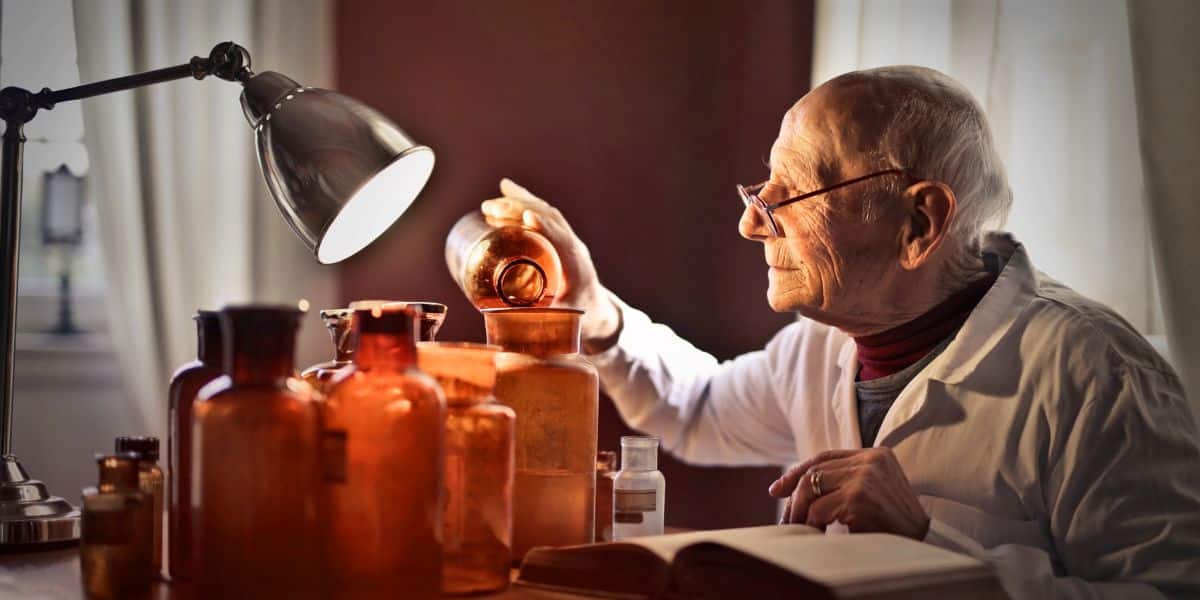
(376, 206)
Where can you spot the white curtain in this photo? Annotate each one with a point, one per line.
(1166, 60)
(1056, 81)
(186, 220)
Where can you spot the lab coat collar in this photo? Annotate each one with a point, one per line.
(995, 314)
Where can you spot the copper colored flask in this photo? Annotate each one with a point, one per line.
(185, 385)
(256, 470)
(477, 531)
(502, 264)
(555, 393)
(337, 321)
(385, 435)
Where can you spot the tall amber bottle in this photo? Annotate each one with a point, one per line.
(256, 472)
(337, 321)
(386, 489)
(555, 393)
(115, 546)
(501, 264)
(185, 385)
(477, 532)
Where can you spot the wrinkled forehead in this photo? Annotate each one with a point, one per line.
(834, 130)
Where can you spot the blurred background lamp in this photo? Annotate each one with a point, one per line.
(61, 221)
(340, 173)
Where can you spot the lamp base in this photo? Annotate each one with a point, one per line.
(29, 515)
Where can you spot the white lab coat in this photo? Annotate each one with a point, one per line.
(1048, 438)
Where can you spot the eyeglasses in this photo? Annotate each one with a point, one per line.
(751, 198)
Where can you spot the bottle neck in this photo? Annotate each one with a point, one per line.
(209, 347)
(260, 343)
(343, 343)
(385, 351)
(118, 475)
(639, 459)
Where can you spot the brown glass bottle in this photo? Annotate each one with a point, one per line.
(606, 471)
(337, 321)
(150, 481)
(477, 531)
(185, 385)
(555, 393)
(430, 316)
(385, 428)
(501, 264)
(115, 546)
(256, 471)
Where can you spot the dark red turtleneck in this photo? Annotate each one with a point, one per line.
(890, 352)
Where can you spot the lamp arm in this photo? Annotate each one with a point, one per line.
(18, 106)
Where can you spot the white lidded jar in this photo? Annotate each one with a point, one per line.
(639, 490)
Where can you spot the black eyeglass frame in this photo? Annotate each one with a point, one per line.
(750, 197)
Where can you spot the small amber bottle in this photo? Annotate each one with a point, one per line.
(477, 532)
(606, 471)
(114, 550)
(337, 321)
(501, 264)
(256, 470)
(387, 420)
(185, 385)
(150, 480)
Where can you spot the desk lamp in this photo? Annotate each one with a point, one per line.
(340, 173)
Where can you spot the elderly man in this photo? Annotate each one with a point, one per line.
(936, 386)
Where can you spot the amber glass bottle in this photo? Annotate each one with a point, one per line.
(150, 481)
(115, 546)
(185, 385)
(430, 317)
(500, 264)
(337, 321)
(477, 531)
(256, 472)
(555, 393)
(385, 426)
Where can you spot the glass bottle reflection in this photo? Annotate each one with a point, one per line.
(115, 545)
(185, 385)
(555, 393)
(385, 432)
(500, 264)
(477, 532)
(606, 471)
(337, 321)
(256, 466)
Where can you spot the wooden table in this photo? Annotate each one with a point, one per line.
(54, 575)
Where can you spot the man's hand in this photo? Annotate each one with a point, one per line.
(583, 290)
(864, 489)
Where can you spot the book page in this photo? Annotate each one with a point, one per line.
(842, 560)
(665, 546)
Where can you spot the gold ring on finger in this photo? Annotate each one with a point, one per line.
(815, 481)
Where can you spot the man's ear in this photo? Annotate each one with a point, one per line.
(930, 211)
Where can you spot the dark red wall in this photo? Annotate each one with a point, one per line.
(636, 119)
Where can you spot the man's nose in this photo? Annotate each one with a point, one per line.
(753, 225)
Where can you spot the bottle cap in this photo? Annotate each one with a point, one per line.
(146, 447)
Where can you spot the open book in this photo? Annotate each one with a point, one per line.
(761, 562)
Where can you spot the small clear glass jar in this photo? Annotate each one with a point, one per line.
(115, 551)
(555, 394)
(639, 490)
(477, 525)
(150, 481)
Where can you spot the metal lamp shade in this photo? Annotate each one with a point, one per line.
(340, 172)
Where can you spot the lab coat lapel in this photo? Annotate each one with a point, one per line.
(845, 400)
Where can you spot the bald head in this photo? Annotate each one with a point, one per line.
(901, 117)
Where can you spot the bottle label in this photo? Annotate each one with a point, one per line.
(635, 501)
(333, 455)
